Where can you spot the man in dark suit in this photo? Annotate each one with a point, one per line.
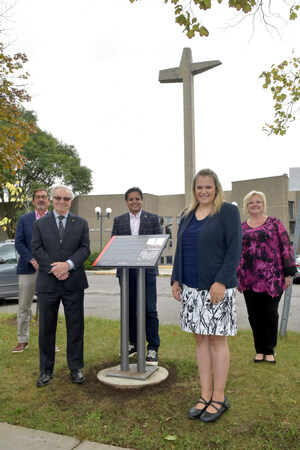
(61, 244)
(27, 265)
(139, 222)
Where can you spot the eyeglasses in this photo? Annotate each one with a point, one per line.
(42, 197)
(65, 199)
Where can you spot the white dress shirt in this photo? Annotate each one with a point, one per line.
(135, 223)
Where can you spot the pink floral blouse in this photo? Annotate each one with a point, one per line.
(267, 258)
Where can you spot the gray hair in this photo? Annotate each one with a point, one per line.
(62, 186)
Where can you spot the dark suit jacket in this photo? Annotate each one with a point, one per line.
(219, 248)
(23, 243)
(46, 249)
(149, 224)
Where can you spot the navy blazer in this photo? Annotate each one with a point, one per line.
(47, 248)
(219, 248)
(23, 243)
(149, 224)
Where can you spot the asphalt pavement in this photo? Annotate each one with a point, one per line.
(102, 299)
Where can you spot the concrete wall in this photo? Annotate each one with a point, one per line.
(169, 207)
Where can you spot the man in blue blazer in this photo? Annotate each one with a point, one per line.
(139, 222)
(61, 244)
(27, 265)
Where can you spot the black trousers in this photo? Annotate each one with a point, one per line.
(74, 315)
(263, 317)
(152, 322)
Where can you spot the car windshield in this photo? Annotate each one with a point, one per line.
(7, 252)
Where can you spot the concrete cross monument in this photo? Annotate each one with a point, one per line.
(185, 74)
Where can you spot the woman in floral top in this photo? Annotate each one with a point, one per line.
(264, 272)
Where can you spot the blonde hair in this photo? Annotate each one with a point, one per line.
(247, 198)
(219, 198)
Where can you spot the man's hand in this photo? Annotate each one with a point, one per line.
(63, 277)
(60, 270)
(34, 263)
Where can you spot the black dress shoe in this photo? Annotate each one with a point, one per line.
(212, 417)
(273, 361)
(258, 360)
(44, 379)
(77, 376)
(195, 413)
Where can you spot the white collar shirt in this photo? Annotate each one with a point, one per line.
(135, 223)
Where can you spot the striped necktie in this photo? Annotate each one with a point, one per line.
(61, 227)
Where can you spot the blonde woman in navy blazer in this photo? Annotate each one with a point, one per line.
(204, 280)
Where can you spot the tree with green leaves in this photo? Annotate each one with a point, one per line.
(284, 82)
(283, 79)
(189, 14)
(47, 162)
(14, 130)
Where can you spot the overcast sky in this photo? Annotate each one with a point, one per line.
(94, 69)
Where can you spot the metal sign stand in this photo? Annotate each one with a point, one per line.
(134, 371)
(141, 252)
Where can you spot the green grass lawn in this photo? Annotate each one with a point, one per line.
(264, 398)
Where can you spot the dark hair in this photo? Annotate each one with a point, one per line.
(133, 189)
(38, 190)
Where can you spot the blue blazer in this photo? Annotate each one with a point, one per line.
(149, 224)
(219, 248)
(23, 243)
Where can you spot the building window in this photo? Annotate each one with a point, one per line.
(169, 259)
(169, 231)
(292, 227)
(292, 210)
(166, 223)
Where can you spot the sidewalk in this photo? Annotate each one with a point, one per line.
(13, 437)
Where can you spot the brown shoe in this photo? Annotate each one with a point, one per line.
(20, 347)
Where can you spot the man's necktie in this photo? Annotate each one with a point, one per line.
(61, 227)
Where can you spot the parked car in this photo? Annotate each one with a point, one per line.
(9, 285)
(297, 275)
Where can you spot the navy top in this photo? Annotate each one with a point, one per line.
(190, 253)
(219, 248)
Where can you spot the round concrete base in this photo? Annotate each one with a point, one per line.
(120, 382)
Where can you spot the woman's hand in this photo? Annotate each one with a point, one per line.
(217, 292)
(287, 282)
(176, 290)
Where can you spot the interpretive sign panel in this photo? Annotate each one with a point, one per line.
(132, 251)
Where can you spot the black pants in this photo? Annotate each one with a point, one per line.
(263, 317)
(48, 311)
(152, 321)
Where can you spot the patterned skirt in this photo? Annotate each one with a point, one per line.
(198, 315)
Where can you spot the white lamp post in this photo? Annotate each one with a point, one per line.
(100, 217)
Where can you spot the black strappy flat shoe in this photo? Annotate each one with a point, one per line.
(212, 417)
(195, 413)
